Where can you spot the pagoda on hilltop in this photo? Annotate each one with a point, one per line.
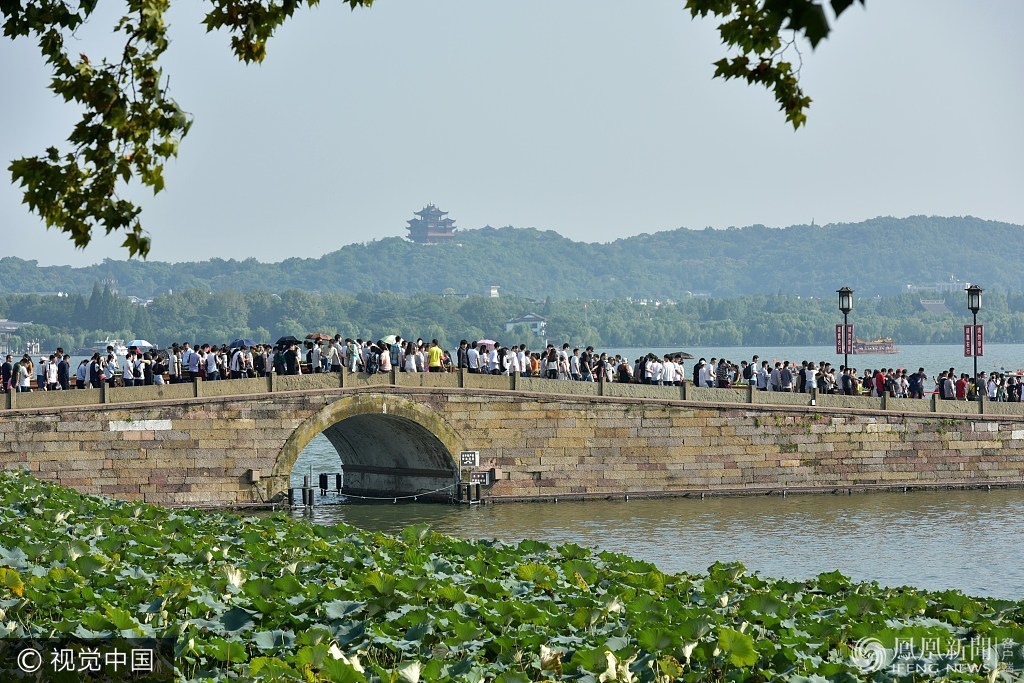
(431, 226)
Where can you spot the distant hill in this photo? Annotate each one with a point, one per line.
(876, 257)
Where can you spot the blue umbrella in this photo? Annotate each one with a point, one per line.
(241, 342)
(139, 344)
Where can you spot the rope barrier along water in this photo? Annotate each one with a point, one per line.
(395, 499)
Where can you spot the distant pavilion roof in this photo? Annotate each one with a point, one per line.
(936, 306)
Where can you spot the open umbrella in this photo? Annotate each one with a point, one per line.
(287, 341)
(139, 344)
(319, 336)
(390, 339)
(682, 354)
(241, 342)
(486, 342)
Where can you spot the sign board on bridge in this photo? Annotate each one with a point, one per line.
(483, 478)
(469, 459)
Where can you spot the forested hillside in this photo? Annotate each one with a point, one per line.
(877, 257)
(774, 320)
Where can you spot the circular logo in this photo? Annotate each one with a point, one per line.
(869, 655)
(30, 660)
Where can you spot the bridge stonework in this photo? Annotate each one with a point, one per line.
(196, 444)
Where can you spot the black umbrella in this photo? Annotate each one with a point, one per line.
(682, 354)
(287, 341)
(241, 342)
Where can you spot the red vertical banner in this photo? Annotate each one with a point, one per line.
(848, 346)
(839, 339)
(968, 341)
(979, 340)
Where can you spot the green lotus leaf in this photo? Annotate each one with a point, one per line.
(236, 620)
(512, 677)
(11, 580)
(338, 671)
(416, 534)
(738, 646)
(225, 650)
(272, 640)
(342, 609)
(287, 585)
(383, 584)
(761, 604)
(832, 582)
(539, 574)
(655, 640)
(272, 668)
(350, 632)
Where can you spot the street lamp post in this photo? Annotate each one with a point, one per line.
(845, 305)
(974, 304)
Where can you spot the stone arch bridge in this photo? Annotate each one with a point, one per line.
(399, 434)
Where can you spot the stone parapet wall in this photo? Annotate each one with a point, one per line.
(534, 385)
(180, 450)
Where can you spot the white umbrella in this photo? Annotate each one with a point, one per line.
(139, 343)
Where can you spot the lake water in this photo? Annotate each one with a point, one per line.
(968, 540)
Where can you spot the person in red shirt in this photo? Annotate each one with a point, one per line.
(961, 388)
(879, 383)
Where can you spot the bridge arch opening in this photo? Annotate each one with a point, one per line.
(388, 447)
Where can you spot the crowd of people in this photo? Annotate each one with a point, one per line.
(212, 362)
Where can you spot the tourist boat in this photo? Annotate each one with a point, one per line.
(886, 345)
(100, 347)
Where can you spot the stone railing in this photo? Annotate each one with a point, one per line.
(198, 389)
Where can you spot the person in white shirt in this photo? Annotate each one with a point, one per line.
(128, 374)
(670, 372)
(473, 359)
(492, 360)
(210, 363)
(810, 378)
(333, 357)
(409, 359)
(314, 358)
(511, 363)
(524, 363)
(704, 374)
(574, 365)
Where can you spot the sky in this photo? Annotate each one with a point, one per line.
(597, 119)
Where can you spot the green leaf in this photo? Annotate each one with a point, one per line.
(236, 620)
(739, 647)
(338, 671)
(273, 640)
(341, 609)
(11, 580)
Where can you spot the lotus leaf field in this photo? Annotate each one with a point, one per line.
(274, 599)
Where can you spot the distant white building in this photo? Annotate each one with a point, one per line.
(493, 292)
(538, 324)
(7, 328)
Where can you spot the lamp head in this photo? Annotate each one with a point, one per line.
(974, 298)
(845, 299)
